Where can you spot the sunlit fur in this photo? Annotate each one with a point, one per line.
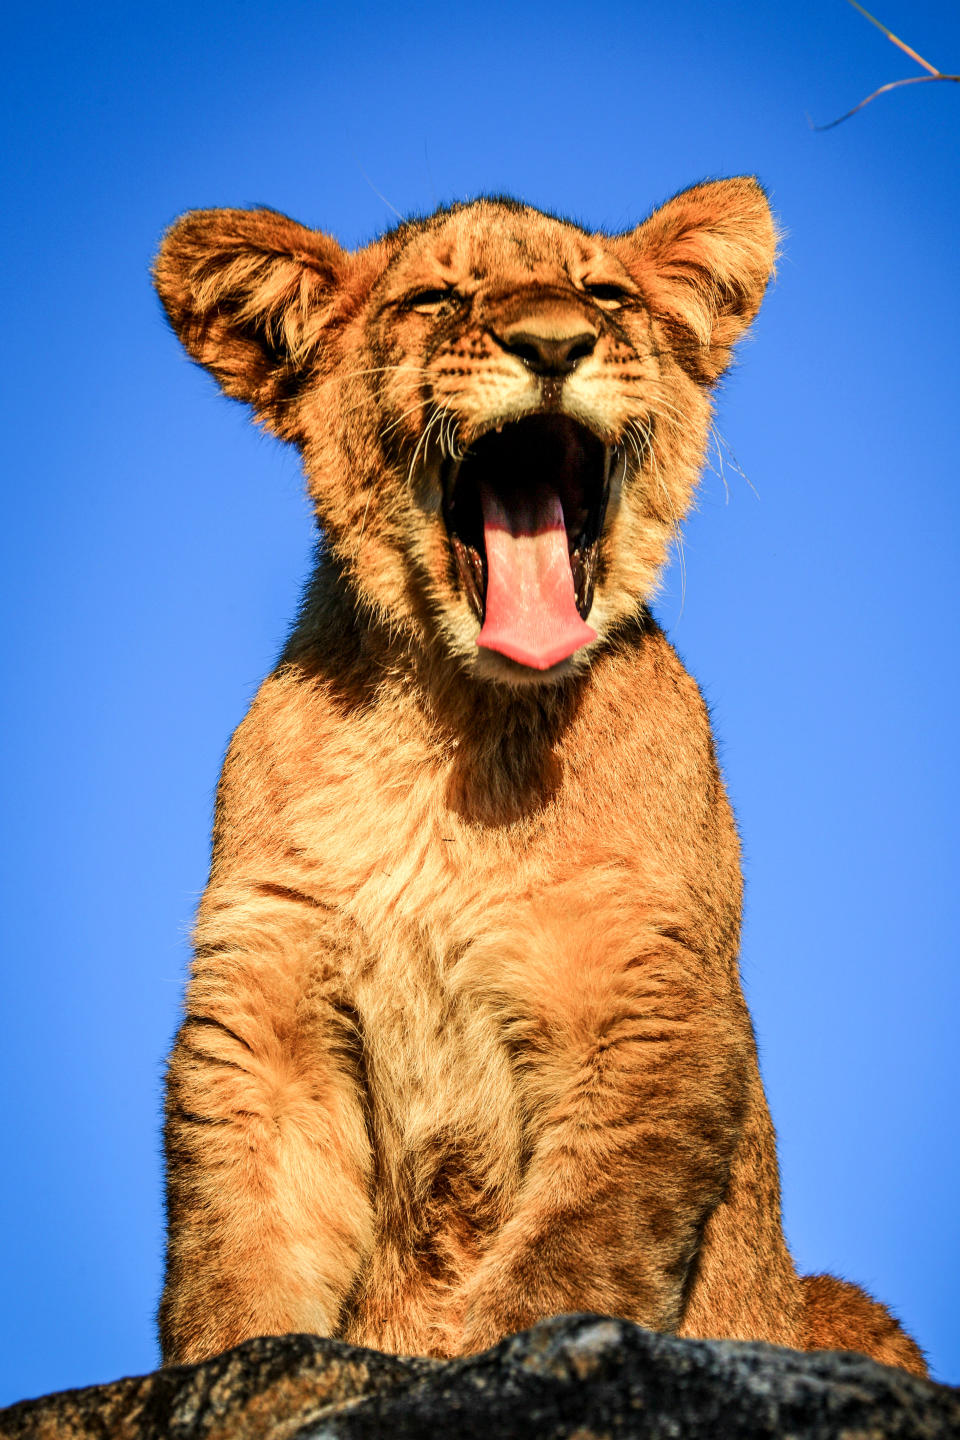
(465, 1043)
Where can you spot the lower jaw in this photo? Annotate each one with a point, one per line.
(492, 667)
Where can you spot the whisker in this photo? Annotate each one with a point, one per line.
(663, 409)
(722, 440)
(722, 471)
(449, 437)
(681, 556)
(381, 370)
(423, 441)
(635, 444)
(400, 418)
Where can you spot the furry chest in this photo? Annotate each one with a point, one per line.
(447, 1142)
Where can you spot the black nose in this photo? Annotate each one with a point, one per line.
(545, 355)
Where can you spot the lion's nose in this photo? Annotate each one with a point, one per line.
(548, 354)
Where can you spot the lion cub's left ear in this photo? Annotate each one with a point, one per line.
(703, 261)
(249, 293)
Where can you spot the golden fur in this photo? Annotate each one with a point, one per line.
(465, 1043)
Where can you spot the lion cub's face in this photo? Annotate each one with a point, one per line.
(502, 416)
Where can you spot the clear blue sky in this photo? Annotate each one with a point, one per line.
(154, 546)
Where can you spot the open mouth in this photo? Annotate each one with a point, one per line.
(524, 510)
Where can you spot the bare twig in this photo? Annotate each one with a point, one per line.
(891, 85)
(933, 72)
(932, 69)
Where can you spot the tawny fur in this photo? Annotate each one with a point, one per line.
(465, 1043)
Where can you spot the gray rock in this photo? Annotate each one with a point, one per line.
(579, 1377)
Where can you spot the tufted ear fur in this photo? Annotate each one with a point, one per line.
(703, 261)
(249, 292)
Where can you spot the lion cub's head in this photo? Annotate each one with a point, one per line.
(502, 415)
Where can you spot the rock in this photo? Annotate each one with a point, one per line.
(579, 1377)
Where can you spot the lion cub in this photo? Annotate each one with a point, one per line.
(465, 1043)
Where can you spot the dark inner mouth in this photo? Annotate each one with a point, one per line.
(522, 458)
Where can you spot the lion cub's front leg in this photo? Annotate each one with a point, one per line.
(267, 1151)
(634, 1061)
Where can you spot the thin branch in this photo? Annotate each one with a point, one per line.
(896, 39)
(933, 72)
(891, 85)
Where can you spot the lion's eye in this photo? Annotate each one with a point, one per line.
(428, 302)
(609, 297)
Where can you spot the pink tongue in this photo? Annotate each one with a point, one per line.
(531, 612)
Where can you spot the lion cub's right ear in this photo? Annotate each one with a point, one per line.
(249, 293)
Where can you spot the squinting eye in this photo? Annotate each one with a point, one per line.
(428, 301)
(610, 296)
